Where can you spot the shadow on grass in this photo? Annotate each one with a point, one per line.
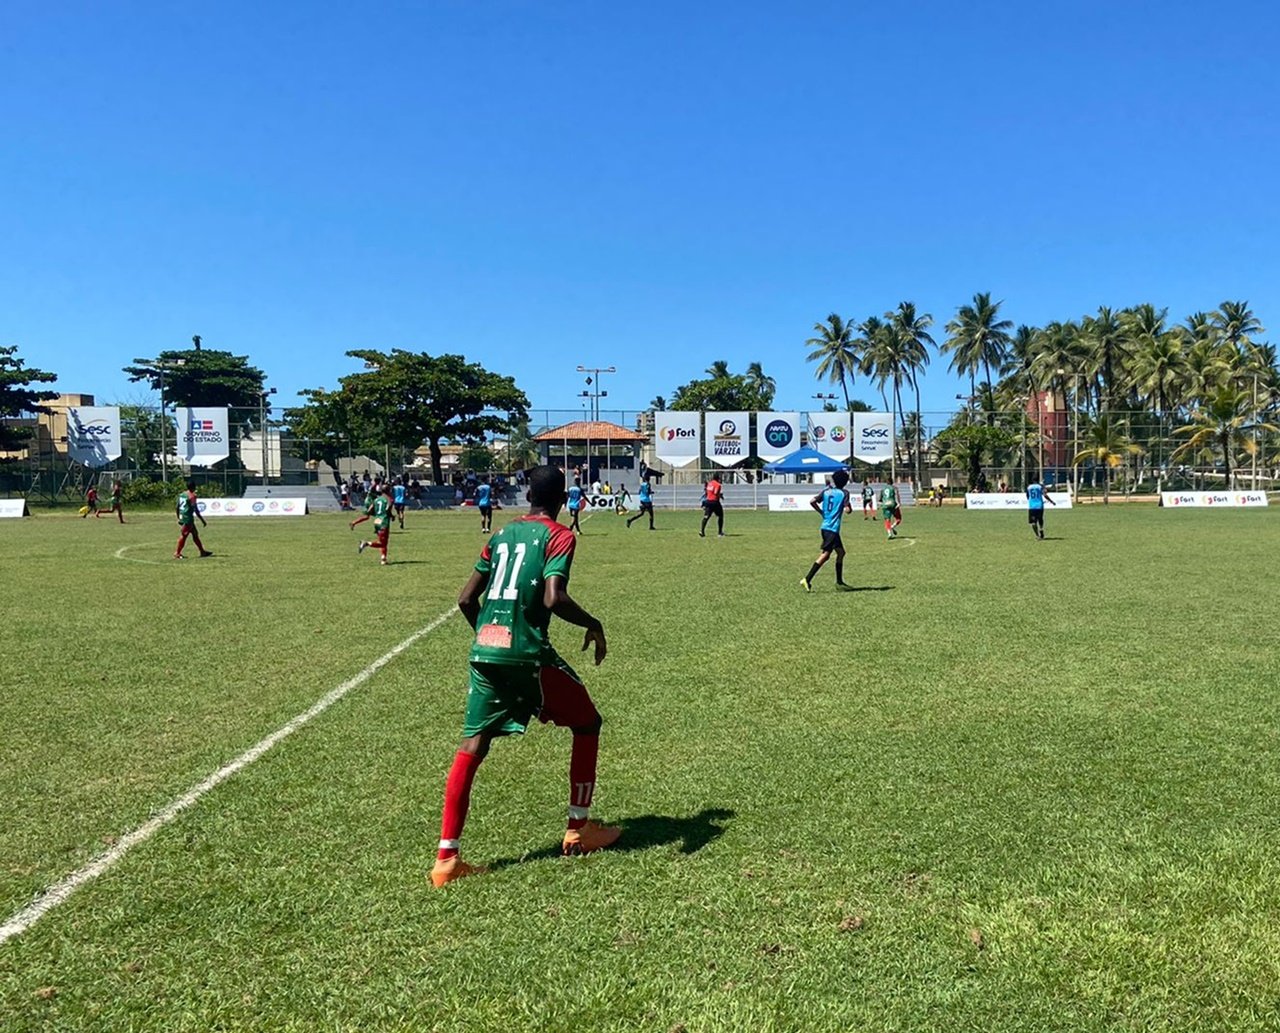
(864, 588)
(649, 830)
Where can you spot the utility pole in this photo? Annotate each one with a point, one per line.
(158, 366)
(262, 428)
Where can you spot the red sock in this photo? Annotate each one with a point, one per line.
(582, 777)
(888, 525)
(457, 798)
(182, 540)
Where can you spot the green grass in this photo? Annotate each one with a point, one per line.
(1023, 786)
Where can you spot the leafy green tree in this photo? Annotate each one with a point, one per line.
(964, 445)
(835, 350)
(1107, 446)
(734, 391)
(412, 397)
(203, 376)
(327, 427)
(477, 455)
(1227, 422)
(765, 386)
(978, 339)
(521, 450)
(17, 398)
(140, 427)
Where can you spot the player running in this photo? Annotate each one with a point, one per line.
(117, 507)
(712, 506)
(576, 495)
(646, 504)
(398, 492)
(621, 499)
(380, 511)
(188, 509)
(484, 503)
(370, 496)
(890, 510)
(1036, 497)
(833, 503)
(90, 503)
(868, 501)
(523, 574)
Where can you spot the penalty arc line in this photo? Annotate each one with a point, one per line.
(120, 553)
(59, 892)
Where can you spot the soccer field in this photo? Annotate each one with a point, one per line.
(1006, 784)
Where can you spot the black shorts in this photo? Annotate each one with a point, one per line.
(1035, 517)
(713, 508)
(486, 511)
(646, 507)
(399, 508)
(831, 542)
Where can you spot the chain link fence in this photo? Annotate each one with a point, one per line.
(933, 450)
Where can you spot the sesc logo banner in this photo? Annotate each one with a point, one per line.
(777, 435)
(203, 437)
(678, 437)
(872, 436)
(93, 434)
(829, 433)
(727, 437)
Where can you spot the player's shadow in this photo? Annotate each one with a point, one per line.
(865, 588)
(1051, 538)
(649, 830)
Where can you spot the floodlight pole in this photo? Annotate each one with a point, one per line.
(594, 384)
(262, 429)
(158, 366)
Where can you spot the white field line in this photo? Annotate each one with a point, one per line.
(120, 553)
(56, 894)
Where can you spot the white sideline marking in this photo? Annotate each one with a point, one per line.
(120, 553)
(56, 894)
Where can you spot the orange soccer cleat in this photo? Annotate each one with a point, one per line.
(591, 837)
(443, 872)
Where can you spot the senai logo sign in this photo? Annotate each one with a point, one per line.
(676, 433)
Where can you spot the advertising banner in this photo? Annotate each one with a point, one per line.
(13, 508)
(789, 503)
(253, 507)
(777, 435)
(728, 437)
(1212, 499)
(830, 433)
(203, 437)
(1014, 500)
(93, 434)
(678, 437)
(873, 436)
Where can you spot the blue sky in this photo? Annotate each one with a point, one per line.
(651, 185)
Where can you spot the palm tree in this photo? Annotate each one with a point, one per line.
(1237, 324)
(876, 351)
(1108, 343)
(1106, 445)
(764, 386)
(835, 350)
(658, 404)
(1223, 421)
(914, 342)
(978, 338)
(521, 450)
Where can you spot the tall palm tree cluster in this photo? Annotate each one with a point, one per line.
(1209, 379)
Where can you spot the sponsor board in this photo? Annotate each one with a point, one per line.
(777, 435)
(1212, 499)
(253, 507)
(203, 436)
(678, 437)
(1012, 500)
(12, 508)
(788, 503)
(831, 433)
(727, 437)
(872, 436)
(93, 434)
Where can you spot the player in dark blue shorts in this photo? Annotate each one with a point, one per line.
(832, 504)
(1036, 496)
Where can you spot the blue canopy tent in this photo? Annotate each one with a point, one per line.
(805, 460)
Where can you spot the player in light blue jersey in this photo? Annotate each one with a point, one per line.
(484, 503)
(576, 496)
(832, 505)
(646, 504)
(1036, 497)
(398, 494)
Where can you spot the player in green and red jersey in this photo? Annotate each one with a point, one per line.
(890, 510)
(380, 510)
(188, 509)
(117, 507)
(516, 674)
(90, 503)
(370, 497)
